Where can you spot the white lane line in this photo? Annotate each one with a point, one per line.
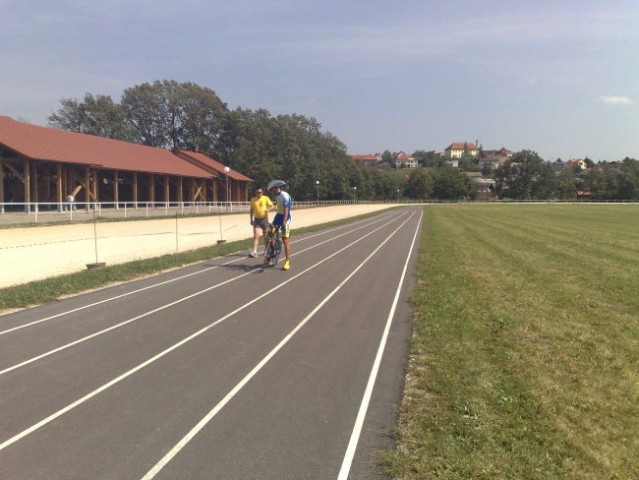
(363, 409)
(163, 307)
(235, 390)
(165, 352)
(106, 300)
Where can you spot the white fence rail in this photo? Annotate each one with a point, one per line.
(26, 213)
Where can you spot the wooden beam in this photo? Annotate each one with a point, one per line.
(180, 190)
(13, 169)
(198, 191)
(76, 190)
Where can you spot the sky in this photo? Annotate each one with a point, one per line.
(559, 77)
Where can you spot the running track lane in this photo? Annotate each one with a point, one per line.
(218, 370)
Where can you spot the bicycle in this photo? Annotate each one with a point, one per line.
(273, 246)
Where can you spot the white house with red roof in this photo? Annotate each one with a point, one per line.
(403, 160)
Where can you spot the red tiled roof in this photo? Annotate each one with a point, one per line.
(52, 145)
(212, 165)
(462, 146)
(369, 157)
(403, 156)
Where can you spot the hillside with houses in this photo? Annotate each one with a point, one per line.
(505, 174)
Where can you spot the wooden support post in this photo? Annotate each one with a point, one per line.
(116, 188)
(152, 188)
(1, 186)
(94, 193)
(167, 189)
(26, 167)
(34, 195)
(59, 185)
(87, 186)
(135, 189)
(2, 182)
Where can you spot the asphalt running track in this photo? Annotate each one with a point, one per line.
(218, 370)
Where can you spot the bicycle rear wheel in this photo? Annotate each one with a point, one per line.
(268, 252)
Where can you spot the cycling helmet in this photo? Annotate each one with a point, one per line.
(275, 183)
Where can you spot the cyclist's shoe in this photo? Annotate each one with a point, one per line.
(287, 265)
(252, 254)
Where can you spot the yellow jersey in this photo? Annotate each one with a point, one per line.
(260, 205)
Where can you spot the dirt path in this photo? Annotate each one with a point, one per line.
(35, 253)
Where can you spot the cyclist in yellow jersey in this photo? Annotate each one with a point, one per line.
(258, 214)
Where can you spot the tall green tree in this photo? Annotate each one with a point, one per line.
(419, 185)
(174, 115)
(94, 115)
(525, 176)
(450, 183)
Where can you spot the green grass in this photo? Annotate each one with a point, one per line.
(525, 357)
(49, 290)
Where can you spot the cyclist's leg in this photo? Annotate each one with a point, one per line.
(286, 233)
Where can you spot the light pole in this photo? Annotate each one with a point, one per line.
(354, 194)
(227, 170)
(398, 195)
(317, 190)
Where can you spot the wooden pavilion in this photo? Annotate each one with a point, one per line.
(46, 165)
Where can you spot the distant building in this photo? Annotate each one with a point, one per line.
(484, 186)
(457, 150)
(495, 158)
(402, 160)
(370, 160)
(577, 162)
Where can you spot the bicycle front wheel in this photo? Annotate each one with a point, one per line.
(268, 252)
(277, 249)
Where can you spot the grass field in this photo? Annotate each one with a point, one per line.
(525, 358)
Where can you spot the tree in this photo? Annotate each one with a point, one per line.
(419, 185)
(291, 147)
(174, 115)
(450, 183)
(525, 176)
(567, 185)
(97, 115)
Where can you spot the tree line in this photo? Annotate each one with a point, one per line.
(527, 177)
(313, 162)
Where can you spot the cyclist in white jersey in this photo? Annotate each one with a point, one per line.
(282, 216)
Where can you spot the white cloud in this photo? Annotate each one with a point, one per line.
(612, 100)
